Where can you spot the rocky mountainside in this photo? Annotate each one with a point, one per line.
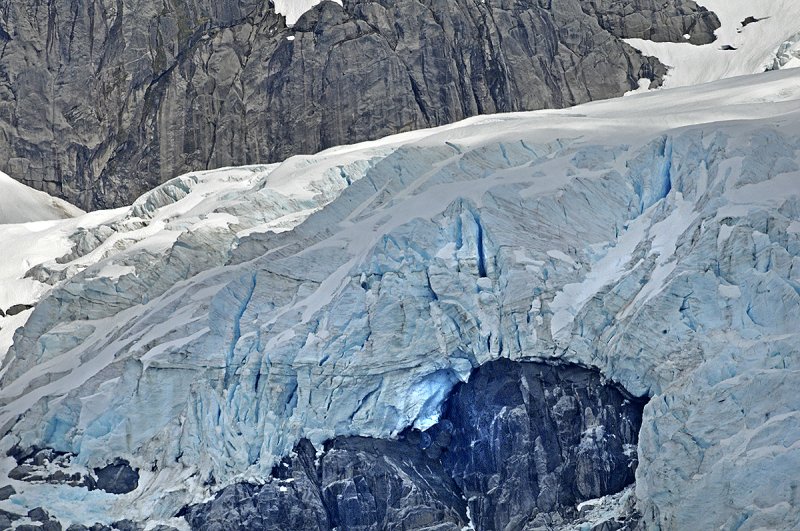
(102, 100)
(194, 339)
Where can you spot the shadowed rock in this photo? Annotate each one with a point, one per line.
(521, 444)
(528, 438)
(117, 478)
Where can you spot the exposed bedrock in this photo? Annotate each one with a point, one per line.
(655, 20)
(516, 447)
(102, 100)
(49, 466)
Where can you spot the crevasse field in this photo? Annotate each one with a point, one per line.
(227, 314)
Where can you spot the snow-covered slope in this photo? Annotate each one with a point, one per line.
(20, 204)
(217, 206)
(27, 221)
(656, 238)
(754, 36)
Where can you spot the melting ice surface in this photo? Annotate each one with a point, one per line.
(201, 332)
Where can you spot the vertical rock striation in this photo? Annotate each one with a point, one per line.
(102, 100)
(530, 441)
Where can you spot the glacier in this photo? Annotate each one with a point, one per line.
(202, 332)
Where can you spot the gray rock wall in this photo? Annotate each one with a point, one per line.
(101, 100)
(655, 20)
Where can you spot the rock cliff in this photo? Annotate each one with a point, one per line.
(102, 100)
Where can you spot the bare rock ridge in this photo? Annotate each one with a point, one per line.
(655, 20)
(517, 447)
(103, 100)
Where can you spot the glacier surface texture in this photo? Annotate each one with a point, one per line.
(200, 334)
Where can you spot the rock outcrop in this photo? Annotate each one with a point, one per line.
(655, 20)
(528, 442)
(102, 100)
(520, 445)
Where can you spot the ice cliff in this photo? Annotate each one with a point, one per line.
(200, 336)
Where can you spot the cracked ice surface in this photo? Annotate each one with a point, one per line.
(654, 238)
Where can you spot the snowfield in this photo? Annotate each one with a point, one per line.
(754, 36)
(202, 331)
(21, 204)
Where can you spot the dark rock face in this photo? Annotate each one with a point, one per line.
(269, 508)
(126, 525)
(37, 514)
(370, 484)
(6, 492)
(522, 442)
(7, 518)
(102, 100)
(551, 437)
(48, 523)
(17, 309)
(117, 478)
(49, 466)
(358, 484)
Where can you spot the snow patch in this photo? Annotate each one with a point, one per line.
(757, 46)
(729, 291)
(559, 255)
(294, 9)
(22, 204)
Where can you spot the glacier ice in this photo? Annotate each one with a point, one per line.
(200, 336)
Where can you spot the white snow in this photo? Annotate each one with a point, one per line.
(729, 292)
(644, 86)
(757, 45)
(294, 9)
(605, 509)
(199, 202)
(663, 237)
(612, 266)
(560, 255)
(25, 245)
(20, 204)
(787, 54)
